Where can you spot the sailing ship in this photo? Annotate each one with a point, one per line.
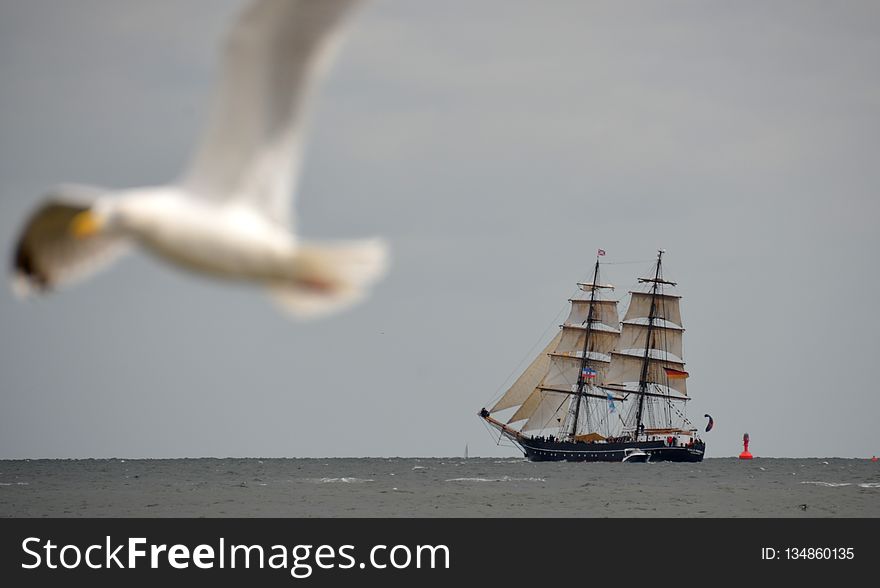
(605, 389)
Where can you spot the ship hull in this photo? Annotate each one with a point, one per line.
(538, 450)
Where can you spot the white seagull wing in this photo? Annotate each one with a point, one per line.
(251, 148)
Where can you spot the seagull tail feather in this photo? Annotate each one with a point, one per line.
(330, 277)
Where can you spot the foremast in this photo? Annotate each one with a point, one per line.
(585, 370)
(551, 395)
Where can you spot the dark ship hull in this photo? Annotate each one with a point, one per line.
(546, 450)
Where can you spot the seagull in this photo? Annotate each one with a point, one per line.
(229, 214)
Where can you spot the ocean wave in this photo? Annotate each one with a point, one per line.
(15, 484)
(840, 484)
(501, 479)
(342, 480)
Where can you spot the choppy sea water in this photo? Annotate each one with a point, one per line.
(438, 487)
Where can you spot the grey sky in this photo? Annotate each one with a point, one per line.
(496, 144)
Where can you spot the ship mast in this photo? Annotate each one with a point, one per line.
(581, 381)
(643, 378)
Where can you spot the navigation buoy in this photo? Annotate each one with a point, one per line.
(873, 458)
(745, 454)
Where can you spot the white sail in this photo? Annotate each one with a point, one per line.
(539, 404)
(666, 307)
(627, 368)
(548, 403)
(663, 338)
(600, 342)
(604, 313)
(564, 371)
(542, 391)
(548, 412)
(529, 379)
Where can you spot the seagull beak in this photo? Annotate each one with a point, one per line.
(85, 224)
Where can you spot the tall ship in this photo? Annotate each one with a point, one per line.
(605, 389)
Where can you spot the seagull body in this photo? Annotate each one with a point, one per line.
(228, 241)
(229, 216)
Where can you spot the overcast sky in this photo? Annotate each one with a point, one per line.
(496, 144)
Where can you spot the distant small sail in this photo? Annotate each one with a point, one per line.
(710, 424)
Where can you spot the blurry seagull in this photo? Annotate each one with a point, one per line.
(229, 216)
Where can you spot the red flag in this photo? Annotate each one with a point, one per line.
(600, 252)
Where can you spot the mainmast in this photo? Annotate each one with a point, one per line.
(646, 359)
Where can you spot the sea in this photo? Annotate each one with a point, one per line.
(438, 487)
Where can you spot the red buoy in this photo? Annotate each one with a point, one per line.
(873, 458)
(745, 454)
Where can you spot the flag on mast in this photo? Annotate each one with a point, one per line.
(674, 374)
(611, 405)
(600, 252)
